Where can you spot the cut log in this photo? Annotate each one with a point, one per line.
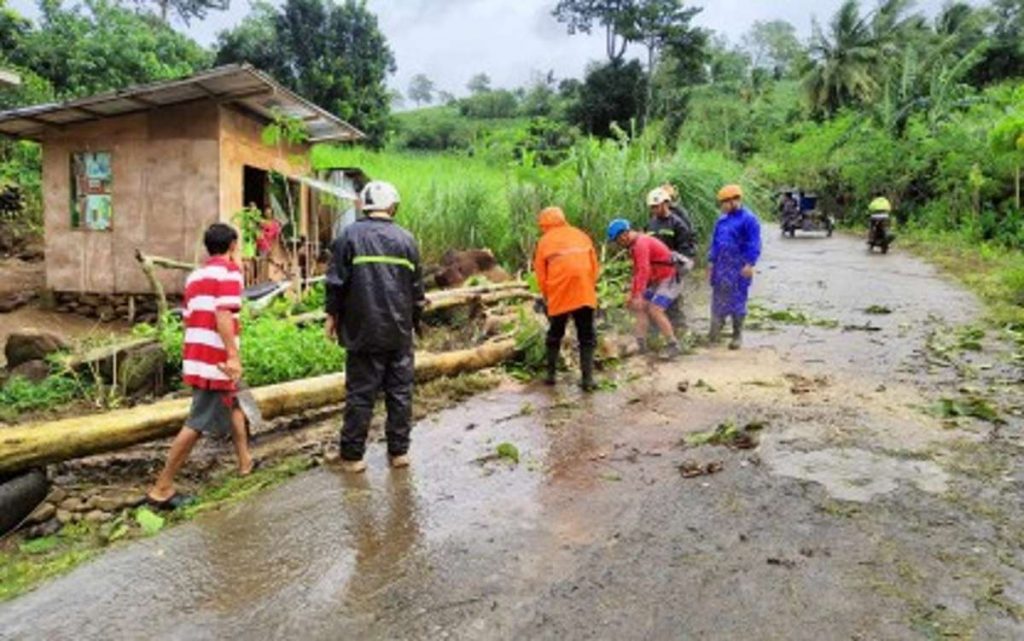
(26, 446)
(479, 289)
(437, 304)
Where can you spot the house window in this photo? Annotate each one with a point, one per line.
(91, 180)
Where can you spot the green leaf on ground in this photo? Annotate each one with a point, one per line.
(149, 521)
(508, 451)
(972, 406)
(879, 310)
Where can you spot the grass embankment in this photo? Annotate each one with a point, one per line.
(992, 271)
(458, 201)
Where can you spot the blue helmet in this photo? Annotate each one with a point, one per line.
(616, 228)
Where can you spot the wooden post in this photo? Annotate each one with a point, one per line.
(149, 265)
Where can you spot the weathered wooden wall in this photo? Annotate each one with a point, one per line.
(165, 174)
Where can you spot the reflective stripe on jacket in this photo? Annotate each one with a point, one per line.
(375, 286)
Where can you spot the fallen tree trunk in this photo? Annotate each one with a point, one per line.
(32, 445)
(465, 300)
(479, 289)
(437, 304)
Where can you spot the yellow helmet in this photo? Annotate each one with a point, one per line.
(880, 205)
(730, 192)
(670, 189)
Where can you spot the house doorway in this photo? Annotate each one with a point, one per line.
(254, 188)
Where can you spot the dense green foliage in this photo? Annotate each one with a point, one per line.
(19, 395)
(330, 52)
(452, 201)
(99, 46)
(274, 349)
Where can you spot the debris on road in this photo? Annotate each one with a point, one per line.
(729, 435)
(693, 469)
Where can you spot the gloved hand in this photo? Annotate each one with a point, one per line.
(540, 305)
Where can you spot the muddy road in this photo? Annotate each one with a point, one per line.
(867, 510)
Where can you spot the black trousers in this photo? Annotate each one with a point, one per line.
(584, 320)
(367, 374)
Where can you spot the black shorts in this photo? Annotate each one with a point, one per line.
(211, 412)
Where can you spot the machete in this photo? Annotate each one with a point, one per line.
(247, 403)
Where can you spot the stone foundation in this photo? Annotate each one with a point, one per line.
(134, 308)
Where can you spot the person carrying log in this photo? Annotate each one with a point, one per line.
(735, 250)
(567, 269)
(374, 302)
(210, 364)
(657, 283)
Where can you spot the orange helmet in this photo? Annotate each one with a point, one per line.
(730, 192)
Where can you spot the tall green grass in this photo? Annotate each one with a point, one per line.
(459, 202)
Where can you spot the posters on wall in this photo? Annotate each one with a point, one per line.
(92, 180)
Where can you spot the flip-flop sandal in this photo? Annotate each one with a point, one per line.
(170, 504)
(256, 465)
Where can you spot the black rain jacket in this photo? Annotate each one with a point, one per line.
(676, 231)
(375, 286)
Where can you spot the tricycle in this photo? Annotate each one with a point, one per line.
(798, 211)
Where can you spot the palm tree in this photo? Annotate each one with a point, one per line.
(849, 61)
(842, 61)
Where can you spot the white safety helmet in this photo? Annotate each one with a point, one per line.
(658, 196)
(379, 196)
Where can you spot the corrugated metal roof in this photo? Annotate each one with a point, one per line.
(235, 84)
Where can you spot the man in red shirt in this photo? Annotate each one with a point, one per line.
(656, 283)
(210, 364)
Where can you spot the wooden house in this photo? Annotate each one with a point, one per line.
(149, 167)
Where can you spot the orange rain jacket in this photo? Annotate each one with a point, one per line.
(566, 265)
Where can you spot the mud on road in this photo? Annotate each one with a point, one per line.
(870, 507)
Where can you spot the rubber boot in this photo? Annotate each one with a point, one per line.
(587, 369)
(715, 335)
(737, 333)
(552, 366)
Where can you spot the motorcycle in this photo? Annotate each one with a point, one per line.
(879, 234)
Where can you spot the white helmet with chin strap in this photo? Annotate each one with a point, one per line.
(379, 196)
(658, 196)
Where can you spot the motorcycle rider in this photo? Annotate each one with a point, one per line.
(878, 233)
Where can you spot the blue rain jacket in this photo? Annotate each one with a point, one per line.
(736, 242)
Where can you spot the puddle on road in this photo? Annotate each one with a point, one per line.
(852, 474)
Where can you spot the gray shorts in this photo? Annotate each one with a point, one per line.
(211, 412)
(665, 293)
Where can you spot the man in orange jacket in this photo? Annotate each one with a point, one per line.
(567, 269)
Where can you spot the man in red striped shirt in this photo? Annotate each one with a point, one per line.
(211, 364)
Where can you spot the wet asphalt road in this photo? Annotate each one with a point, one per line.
(840, 526)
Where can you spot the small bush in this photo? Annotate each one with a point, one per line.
(20, 395)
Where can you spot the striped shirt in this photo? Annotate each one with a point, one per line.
(215, 286)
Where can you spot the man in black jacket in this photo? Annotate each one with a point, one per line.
(374, 301)
(672, 225)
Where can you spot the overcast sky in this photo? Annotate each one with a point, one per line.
(450, 40)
